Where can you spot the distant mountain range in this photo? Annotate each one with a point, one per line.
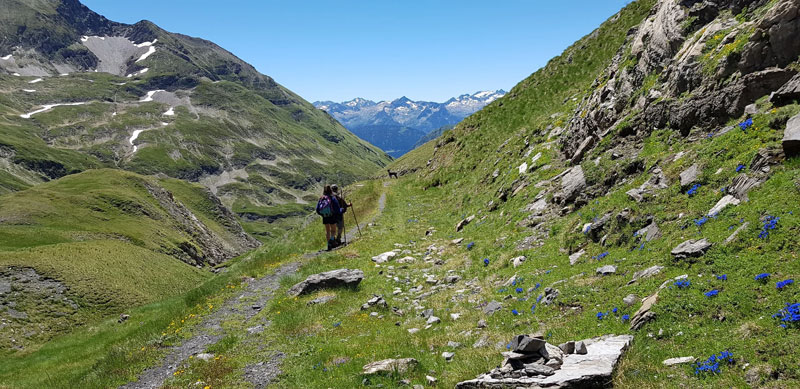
(396, 126)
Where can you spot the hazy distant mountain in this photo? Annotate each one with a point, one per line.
(385, 122)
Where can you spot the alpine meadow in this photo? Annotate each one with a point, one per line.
(622, 217)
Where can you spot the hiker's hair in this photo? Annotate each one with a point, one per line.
(327, 191)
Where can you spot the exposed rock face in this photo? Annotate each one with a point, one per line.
(722, 203)
(537, 370)
(649, 233)
(329, 279)
(791, 137)
(207, 247)
(643, 314)
(649, 272)
(691, 248)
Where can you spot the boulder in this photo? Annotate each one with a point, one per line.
(518, 261)
(526, 345)
(329, 279)
(722, 203)
(575, 257)
(691, 248)
(791, 137)
(606, 270)
(572, 184)
(492, 307)
(690, 175)
(751, 109)
(643, 314)
(742, 184)
(630, 299)
(788, 92)
(385, 257)
(390, 366)
(460, 225)
(649, 272)
(649, 233)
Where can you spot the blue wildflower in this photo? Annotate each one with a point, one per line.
(683, 284)
(338, 323)
(520, 290)
(693, 190)
(782, 284)
(614, 310)
(626, 318)
(711, 293)
(548, 272)
(470, 245)
(762, 277)
(712, 364)
(739, 168)
(699, 222)
(746, 124)
(600, 256)
(722, 277)
(789, 316)
(601, 315)
(486, 262)
(769, 223)
(537, 286)
(515, 312)
(533, 308)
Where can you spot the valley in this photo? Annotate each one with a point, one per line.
(626, 216)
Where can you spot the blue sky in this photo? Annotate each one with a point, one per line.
(379, 49)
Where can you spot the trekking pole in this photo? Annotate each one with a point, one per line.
(356, 219)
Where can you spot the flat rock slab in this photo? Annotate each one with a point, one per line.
(390, 366)
(690, 175)
(329, 279)
(572, 184)
(678, 361)
(649, 272)
(691, 248)
(606, 270)
(589, 370)
(722, 203)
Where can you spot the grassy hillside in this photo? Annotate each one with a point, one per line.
(106, 243)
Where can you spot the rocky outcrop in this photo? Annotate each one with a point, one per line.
(590, 364)
(572, 184)
(787, 93)
(329, 279)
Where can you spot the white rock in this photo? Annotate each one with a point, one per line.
(722, 203)
(385, 257)
(678, 361)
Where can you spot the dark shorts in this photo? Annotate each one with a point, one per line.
(329, 220)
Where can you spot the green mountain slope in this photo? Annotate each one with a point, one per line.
(151, 101)
(93, 244)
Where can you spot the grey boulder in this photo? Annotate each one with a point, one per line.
(329, 279)
(691, 248)
(791, 137)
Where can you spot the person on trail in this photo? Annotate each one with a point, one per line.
(328, 208)
(340, 219)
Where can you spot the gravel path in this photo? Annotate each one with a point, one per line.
(257, 294)
(209, 331)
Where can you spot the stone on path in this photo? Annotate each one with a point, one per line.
(329, 279)
(390, 366)
(691, 248)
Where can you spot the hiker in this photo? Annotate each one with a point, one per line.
(340, 219)
(391, 173)
(328, 208)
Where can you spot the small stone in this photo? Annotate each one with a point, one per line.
(448, 356)
(426, 313)
(630, 299)
(580, 348)
(482, 342)
(433, 320)
(691, 248)
(390, 366)
(575, 257)
(606, 270)
(690, 175)
(123, 317)
(532, 369)
(455, 316)
(430, 380)
(678, 361)
(453, 344)
(205, 356)
(385, 257)
(518, 261)
(492, 307)
(568, 347)
(413, 330)
(452, 279)
(482, 323)
(526, 344)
